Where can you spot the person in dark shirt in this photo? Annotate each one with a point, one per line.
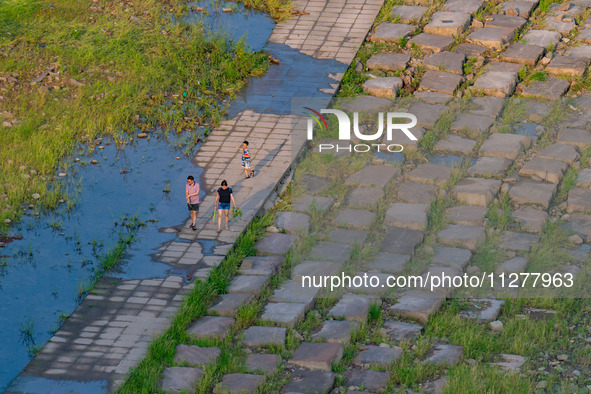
(222, 201)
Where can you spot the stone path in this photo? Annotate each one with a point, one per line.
(111, 330)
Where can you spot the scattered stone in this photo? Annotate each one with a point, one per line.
(531, 219)
(275, 244)
(562, 357)
(358, 218)
(175, 379)
(469, 215)
(579, 200)
(546, 169)
(364, 197)
(408, 13)
(440, 81)
(369, 379)
(373, 175)
(286, 315)
(450, 24)
(491, 37)
(431, 173)
(417, 305)
(331, 251)
(337, 331)
(353, 307)
(577, 137)
(539, 314)
(196, 356)
(446, 354)
(388, 61)
(216, 327)
(462, 236)
(446, 61)
(568, 65)
(517, 241)
(490, 167)
(523, 54)
(267, 363)
(317, 356)
(510, 362)
(383, 87)
(256, 336)
(496, 83)
(412, 216)
(389, 262)
(377, 355)
(432, 42)
(483, 309)
(477, 191)
(552, 88)
(239, 383)
(533, 193)
(391, 32)
(401, 240)
(455, 144)
(230, 303)
(505, 145)
(416, 192)
(402, 331)
(304, 381)
(293, 222)
(496, 325)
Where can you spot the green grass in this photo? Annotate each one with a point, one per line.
(138, 76)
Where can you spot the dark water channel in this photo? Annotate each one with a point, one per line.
(42, 275)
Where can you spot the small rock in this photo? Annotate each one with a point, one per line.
(566, 217)
(272, 229)
(31, 206)
(298, 336)
(504, 188)
(541, 384)
(76, 160)
(93, 162)
(510, 254)
(36, 196)
(477, 24)
(512, 11)
(227, 10)
(496, 325)
(142, 135)
(576, 239)
(6, 124)
(563, 206)
(562, 357)
(7, 221)
(61, 174)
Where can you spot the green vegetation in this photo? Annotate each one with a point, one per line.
(113, 69)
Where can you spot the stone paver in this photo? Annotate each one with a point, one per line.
(261, 265)
(388, 61)
(523, 54)
(256, 336)
(338, 331)
(505, 21)
(514, 265)
(353, 307)
(568, 65)
(579, 200)
(317, 356)
(584, 178)
(373, 176)
(531, 219)
(357, 218)
(472, 125)
(402, 331)
(476, 191)
(416, 192)
(175, 379)
(577, 137)
(510, 362)
(427, 114)
(455, 144)
(408, 13)
(401, 240)
(430, 173)
(562, 152)
(196, 356)
(304, 204)
(520, 8)
(580, 225)
(542, 38)
(546, 169)
(451, 257)
(505, 145)
(364, 197)
(249, 284)
(292, 292)
(446, 61)
(412, 216)
(211, 327)
(275, 244)
(483, 310)
(369, 379)
(448, 23)
(552, 88)
(391, 32)
(365, 104)
(462, 236)
(417, 305)
(293, 222)
(388, 262)
(383, 87)
(304, 381)
(239, 383)
(230, 303)
(440, 81)
(348, 236)
(284, 316)
(267, 363)
(490, 167)
(331, 251)
(469, 6)
(532, 193)
(446, 354)
(316, 269)
(465, 214)
(432, 42)
(491, 37)
(512, 240)
(377, 355)
(496, 83)
(313, 184)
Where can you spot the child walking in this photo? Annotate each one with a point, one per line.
(222, 201)
(246, 160)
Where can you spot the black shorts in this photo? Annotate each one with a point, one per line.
(193, 207)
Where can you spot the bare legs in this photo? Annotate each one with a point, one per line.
(225, 212)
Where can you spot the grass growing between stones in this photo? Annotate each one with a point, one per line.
(112, 68)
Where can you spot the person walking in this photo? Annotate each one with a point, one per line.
(248, 173)
(192, 194)
(222, 201)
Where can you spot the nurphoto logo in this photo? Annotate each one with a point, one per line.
(345, 130)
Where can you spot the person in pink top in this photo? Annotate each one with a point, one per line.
(192, 193)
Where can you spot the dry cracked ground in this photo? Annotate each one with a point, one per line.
(498, 182)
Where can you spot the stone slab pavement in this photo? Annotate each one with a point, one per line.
(111, 329)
